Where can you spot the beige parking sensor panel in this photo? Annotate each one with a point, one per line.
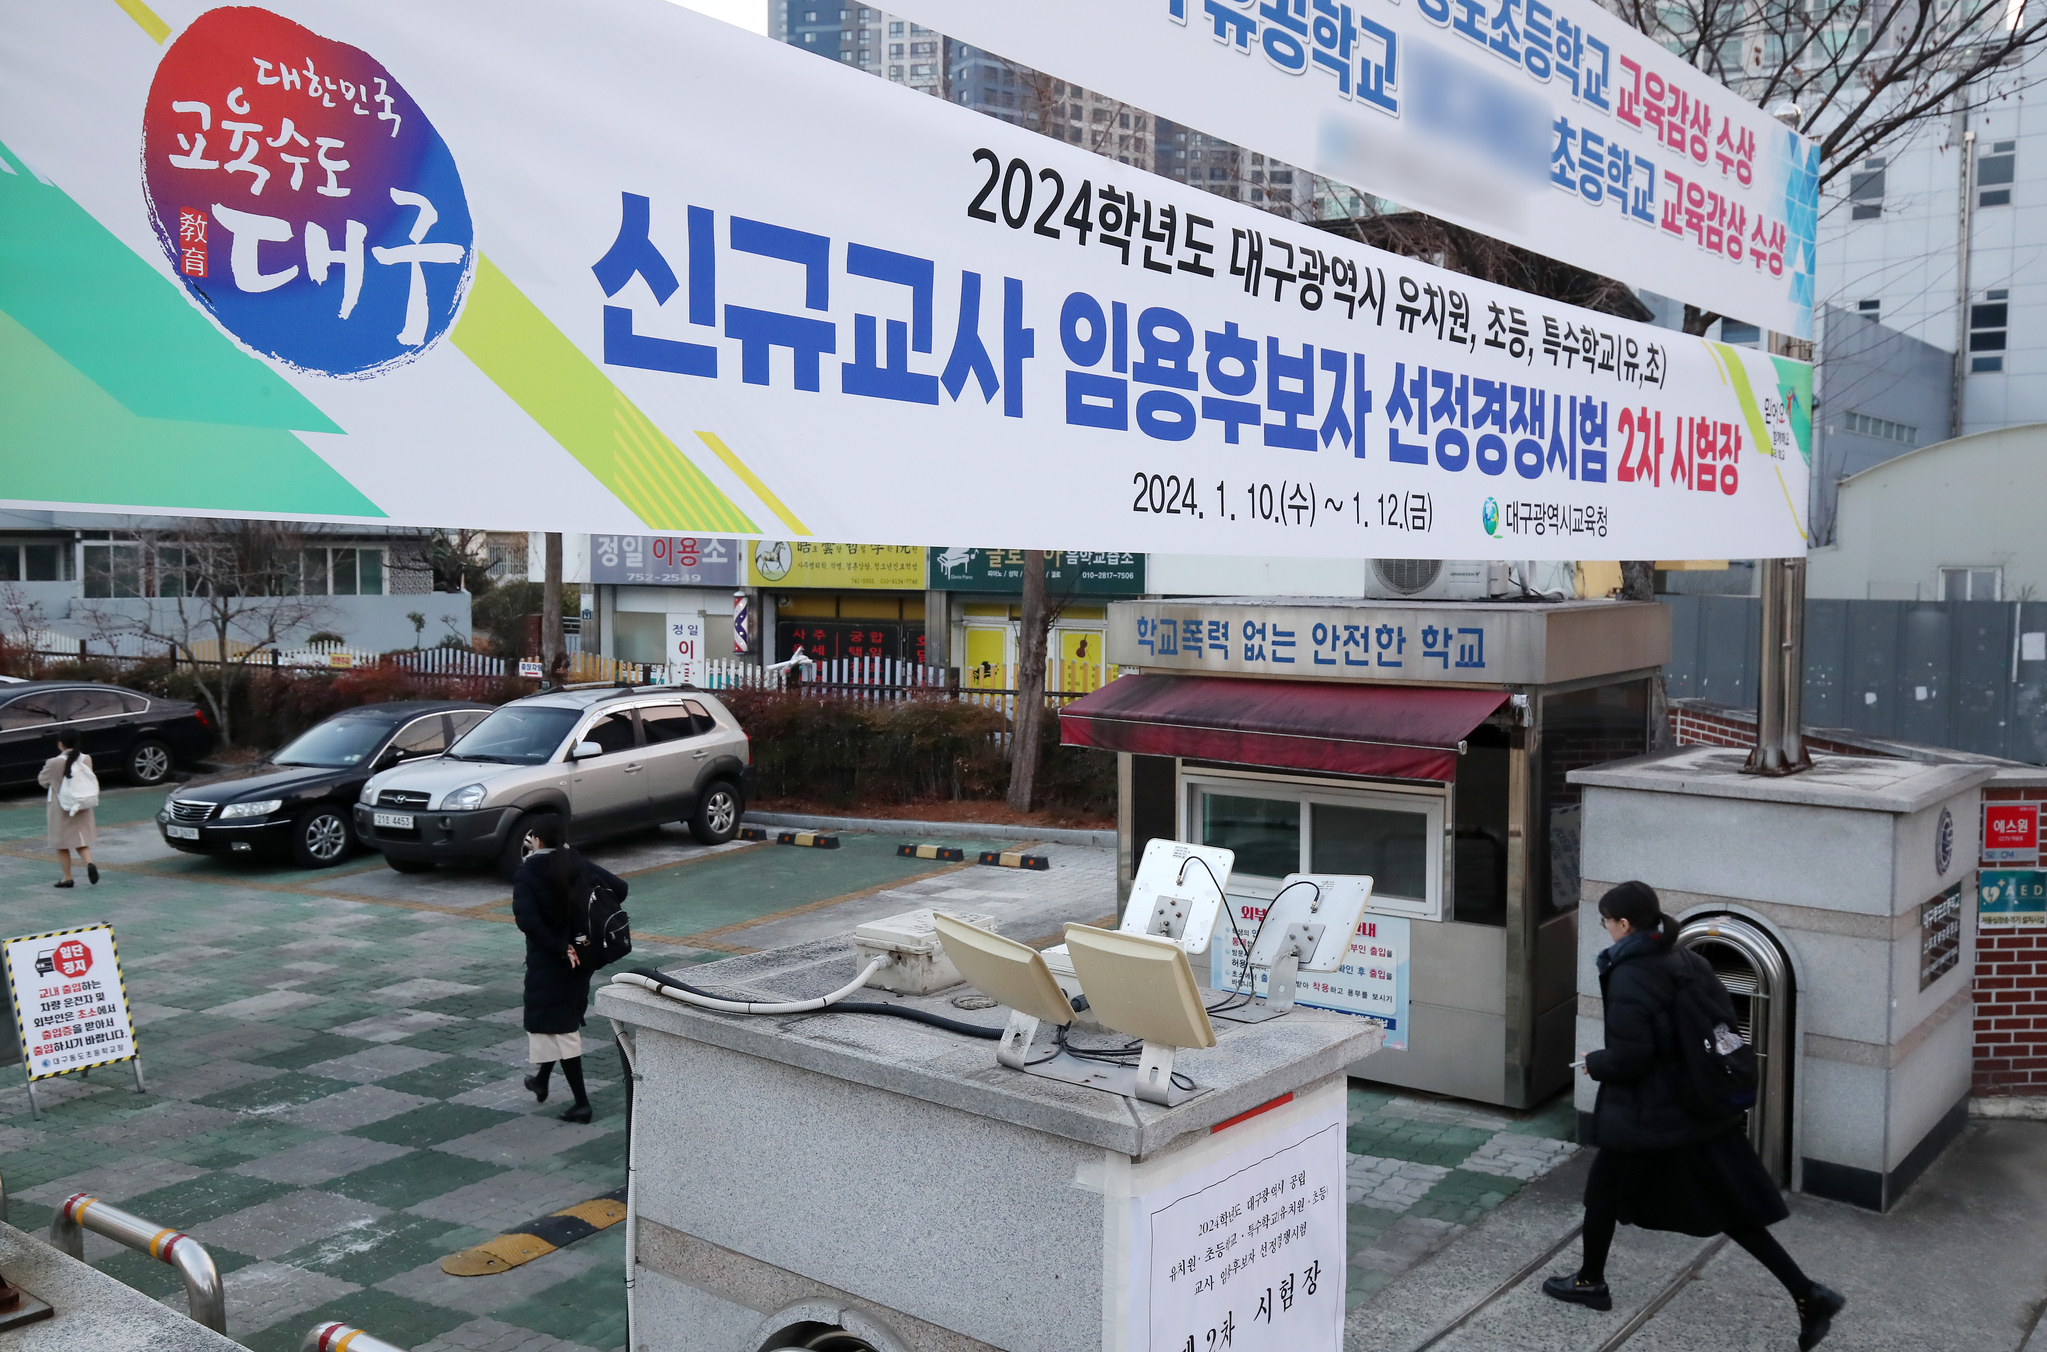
(1140, 986)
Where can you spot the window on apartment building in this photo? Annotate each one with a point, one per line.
(810, 16)
(923, 49)
(1883, 429)
(1994, 175)
(864, 37)
(810, 38)
(895, 49)
(1971, 584)
(1280, 176)
(36, 563)
(1217, 175)
(1257, 159)
(1282, 194)
(1866, 191)
(866, 58)
(917, 72)
(1101, 115)
(1872, 308)
(918, 28)
(1987, 331)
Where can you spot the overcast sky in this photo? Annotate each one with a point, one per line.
(751, 15)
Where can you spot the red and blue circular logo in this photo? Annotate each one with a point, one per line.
(302, 196)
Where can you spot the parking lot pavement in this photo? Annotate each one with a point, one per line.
(334, 1062)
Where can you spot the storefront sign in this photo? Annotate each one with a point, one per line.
(70, 1000)
(1556, 126)
(684, 645)
(1371, 983)
(666, 560)
(829, 640)
(1940, 935)
(2011, 899)
(806, 563)
(1247, 1254)
(1067, 572)
(816, 324)
(2011, 832)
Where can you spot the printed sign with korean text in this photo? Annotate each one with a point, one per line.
(1549, 123)
(849, 306)
(70, 1000)
(1247, 1254)
(666, 560)
(1068, 572)
(2011, 832)
(1371, 983)
(2011, 899)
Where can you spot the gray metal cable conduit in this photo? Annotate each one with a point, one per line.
(342, 1338)
(203, 1292)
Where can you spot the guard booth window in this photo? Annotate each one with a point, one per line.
(1584, 727)
(1277, 828)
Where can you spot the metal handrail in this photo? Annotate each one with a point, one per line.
(342, 1338)
(203, 1292)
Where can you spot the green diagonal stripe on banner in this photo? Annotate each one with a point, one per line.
(531, 360)
(126, 327)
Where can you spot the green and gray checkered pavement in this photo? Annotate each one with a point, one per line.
(334, 1062)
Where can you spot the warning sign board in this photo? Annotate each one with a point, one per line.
(70, 1000)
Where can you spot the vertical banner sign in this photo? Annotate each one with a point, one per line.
(685, 646)
(1248, 1253)
(70, 1001)
(1552, 124)
(339, 260)
(1371, 983)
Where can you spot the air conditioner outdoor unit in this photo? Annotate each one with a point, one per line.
(1436, 579)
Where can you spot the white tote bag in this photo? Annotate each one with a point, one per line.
(78, 790)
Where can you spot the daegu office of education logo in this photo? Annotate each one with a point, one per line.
(302, 197)
(1489, 516)
(1944, 842)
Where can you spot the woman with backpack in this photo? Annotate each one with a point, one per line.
(550, 895)
(74, 793)
(1662, 1164)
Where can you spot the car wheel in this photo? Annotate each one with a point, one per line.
(149, 763)
(716, 819)
(519, 843)
(409, 865)
(321, 838)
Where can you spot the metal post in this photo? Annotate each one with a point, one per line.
(1964, 236)
(1780, 740)
(342, 1338)
(203, 1293)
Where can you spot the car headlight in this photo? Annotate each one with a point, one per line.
(262, 807)
(367, 797)
(464, 798)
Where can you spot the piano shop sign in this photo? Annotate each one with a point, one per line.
(70, 1000)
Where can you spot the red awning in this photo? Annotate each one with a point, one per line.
(1398, 732)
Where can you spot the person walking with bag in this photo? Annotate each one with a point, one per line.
(1672, 1151)
(549, 896)
(74, 794)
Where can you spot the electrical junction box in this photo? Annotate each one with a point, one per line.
(920, 965)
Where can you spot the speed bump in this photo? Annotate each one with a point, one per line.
(538, 1238)
(817, 840)
(949, 853)
(1015, 859)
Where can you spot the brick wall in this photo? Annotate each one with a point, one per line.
(1704, 727)
(2011, 986)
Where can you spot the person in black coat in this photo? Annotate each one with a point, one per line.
(547, 900)
(1660, 1167)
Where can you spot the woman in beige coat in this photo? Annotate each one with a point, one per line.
(69, 830)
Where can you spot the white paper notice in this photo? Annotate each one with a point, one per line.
(69, 1000)
(1246, 1255)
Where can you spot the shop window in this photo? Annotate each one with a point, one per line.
(1994, 175)
(1276, 828)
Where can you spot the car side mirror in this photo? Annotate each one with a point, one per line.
(585, 750)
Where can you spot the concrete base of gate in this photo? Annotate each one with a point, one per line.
(1862, 870)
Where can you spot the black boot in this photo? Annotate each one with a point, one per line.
(1816, 1315)
(536, 1084)
(1575, 1290)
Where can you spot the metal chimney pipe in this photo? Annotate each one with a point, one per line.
(1780, 687)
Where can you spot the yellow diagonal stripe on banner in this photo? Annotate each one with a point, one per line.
(532, 361)
(752, 480)
(142, 14)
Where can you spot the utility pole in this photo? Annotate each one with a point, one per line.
(1030, 685)
(552, 646)
(1964, 232)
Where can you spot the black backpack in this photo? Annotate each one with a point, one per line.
(1717, 1073)
(607, 934)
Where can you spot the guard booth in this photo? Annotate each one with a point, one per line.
(1426, 743)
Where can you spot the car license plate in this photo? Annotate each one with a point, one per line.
(397, 821)
(182, 832)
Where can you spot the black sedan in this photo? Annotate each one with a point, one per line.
(297, 803)
(139, 737)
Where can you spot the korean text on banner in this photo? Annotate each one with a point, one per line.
(70, 1000)
(1549, 123)
(1247, 1253)
(1370, 983)
(851, 299)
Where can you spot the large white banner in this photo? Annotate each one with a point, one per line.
(624, 269)
(1549, 123)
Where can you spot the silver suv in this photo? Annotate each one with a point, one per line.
(605, 759)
